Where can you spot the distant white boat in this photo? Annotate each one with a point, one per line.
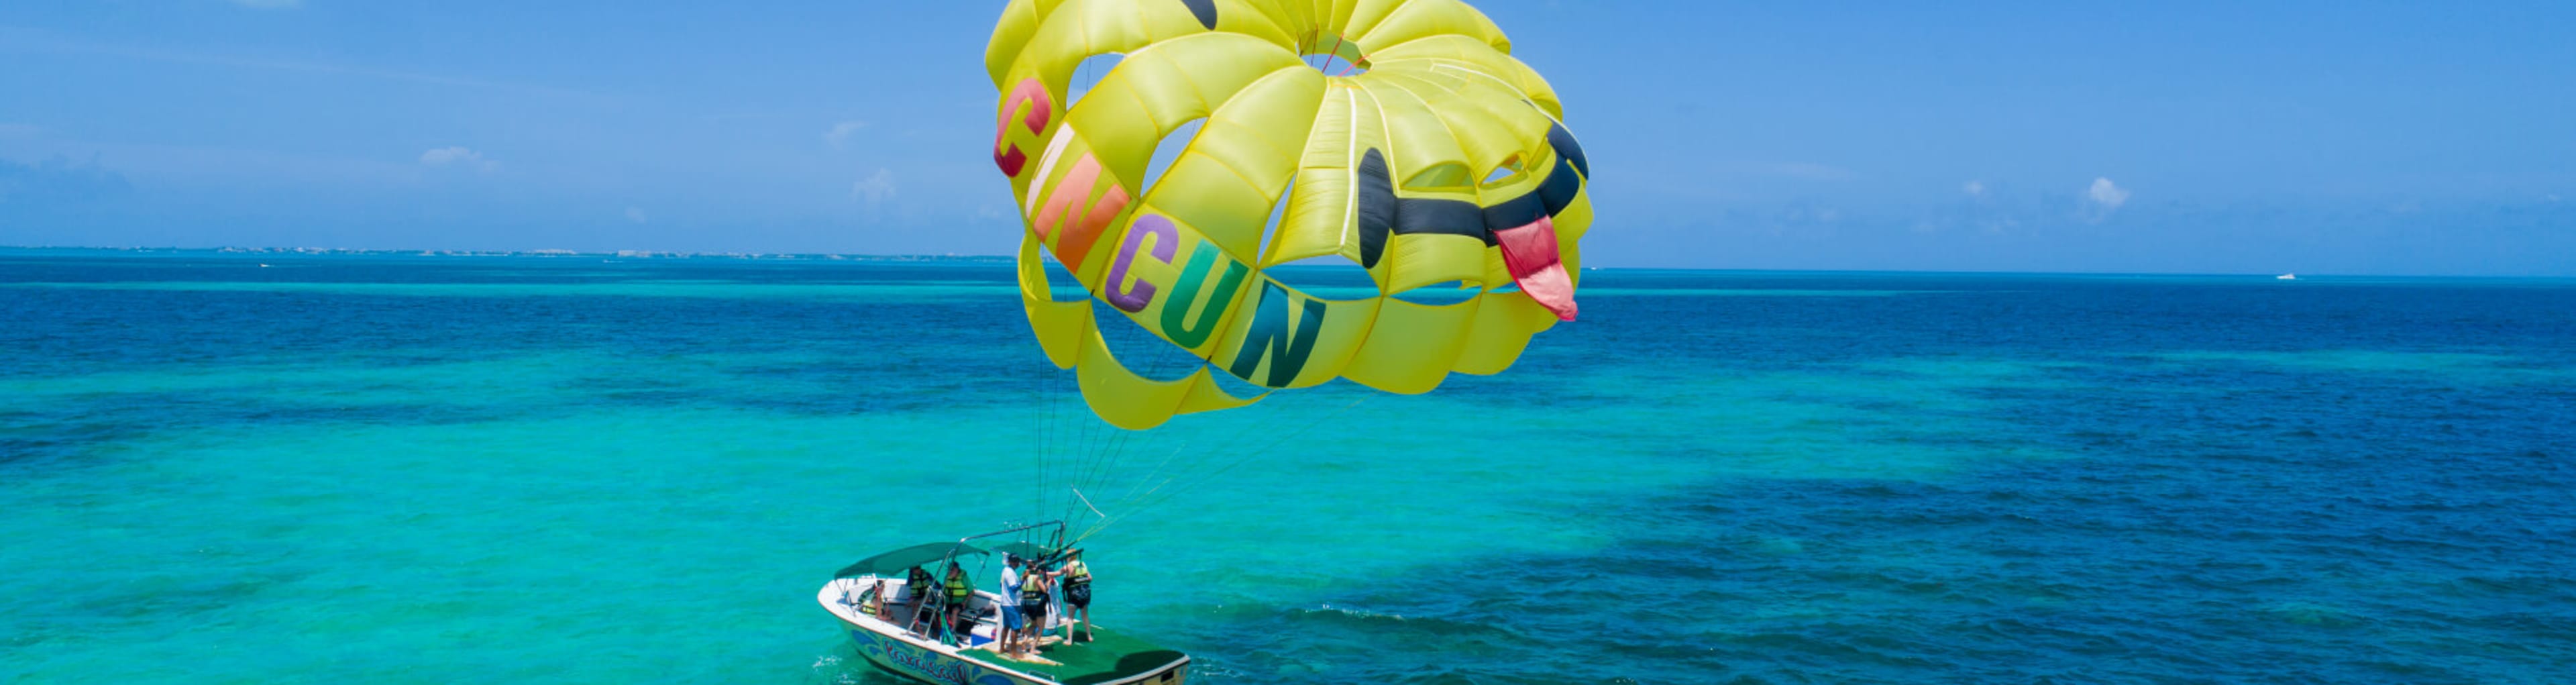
(2286, 277)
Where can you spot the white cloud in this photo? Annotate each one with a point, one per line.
(269, 4)
(2107, 194)
(635, 214)
(1974, 188)
(1813, 171)
(876, 188)
(446, 155)
(840, 132)
(459, 156)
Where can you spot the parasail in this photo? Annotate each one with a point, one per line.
(1435, 160)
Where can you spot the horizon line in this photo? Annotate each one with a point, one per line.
(915, 257)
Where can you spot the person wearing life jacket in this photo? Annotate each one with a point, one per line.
(1077, 595)
(1034, 596)
(918, 583)
(922, 590)
(877, 603)
(959, 590)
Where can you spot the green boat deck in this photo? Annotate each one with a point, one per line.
(1108, 657)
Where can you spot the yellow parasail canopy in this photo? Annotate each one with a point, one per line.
(1438, 160)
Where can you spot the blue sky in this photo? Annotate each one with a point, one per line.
(2321, 137)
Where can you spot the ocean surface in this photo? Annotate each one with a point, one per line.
(274, 468)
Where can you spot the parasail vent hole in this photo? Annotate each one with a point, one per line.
(1278, 212)
(1441, 294)
(1335, 56)
(1061, 285)
(1087, 75)
(1167, 152)
(1333, 65)
(1509, 170)
(1329, 276)
(1141, 351)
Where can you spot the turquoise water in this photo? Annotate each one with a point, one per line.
(522, 469)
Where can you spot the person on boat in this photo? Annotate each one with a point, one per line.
(878, 604)
(1035, 593)
(918, 588)
(1012, 622)
(1077, 594)
(918, 583)
(959, 591)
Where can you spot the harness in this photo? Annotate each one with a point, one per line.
(1033, 591)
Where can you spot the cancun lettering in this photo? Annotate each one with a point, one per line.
(1031, 94)
(1065, 211)
(930, 668)
(1270, 335)
(1177, 325)
(1132, 298)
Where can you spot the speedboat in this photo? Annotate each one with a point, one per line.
(900, 632)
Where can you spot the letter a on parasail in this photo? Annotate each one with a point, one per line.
(1435, 159)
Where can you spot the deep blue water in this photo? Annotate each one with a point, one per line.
(433, 469)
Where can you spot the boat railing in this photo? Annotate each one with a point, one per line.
(931, 616)
(1053, 541)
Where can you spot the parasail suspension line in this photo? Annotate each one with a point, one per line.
(1086, 503)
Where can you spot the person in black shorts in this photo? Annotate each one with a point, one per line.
(1077, 595)
(1034, 597)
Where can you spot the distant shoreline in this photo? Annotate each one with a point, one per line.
(25, 250)
(616, 254)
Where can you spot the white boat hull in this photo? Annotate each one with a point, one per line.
(893, 648)
(1104, 658)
